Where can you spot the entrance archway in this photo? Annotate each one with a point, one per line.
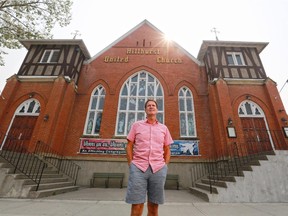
(22, 124)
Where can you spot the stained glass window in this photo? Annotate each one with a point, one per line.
(133, 95)
(29, 107)
(94, 115)
(187, 116)
(249, 108)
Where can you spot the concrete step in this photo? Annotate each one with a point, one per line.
(51, 192)
(46, 180)
(203, 194)
(22, 176)
(5, 165)
(216, 183)
(225, 178)
(206, 187)
(48, 186)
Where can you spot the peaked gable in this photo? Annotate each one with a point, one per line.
(144, 35)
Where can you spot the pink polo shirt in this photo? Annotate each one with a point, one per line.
(149, 140)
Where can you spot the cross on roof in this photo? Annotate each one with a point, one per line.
(76, 33)
(215, 32)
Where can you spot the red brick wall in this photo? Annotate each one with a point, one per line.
(67, 104)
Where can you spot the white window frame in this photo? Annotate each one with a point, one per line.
(255, 109)
(130, 96)
(234, 58)
(186, 99)
(91, 121)
(50, 57)
(30, 107)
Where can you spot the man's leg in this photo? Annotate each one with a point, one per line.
(137, 209)
(152, 209)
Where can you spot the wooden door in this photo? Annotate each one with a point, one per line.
(256, 135)
(20, 132)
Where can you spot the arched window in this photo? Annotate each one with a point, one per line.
(133, 95)
(29, 107)
(248, 108)
(186, 111)
(94, 115)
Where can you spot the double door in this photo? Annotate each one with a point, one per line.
(20, 132)
(257, 137)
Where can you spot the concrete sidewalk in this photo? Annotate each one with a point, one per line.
(106, 202)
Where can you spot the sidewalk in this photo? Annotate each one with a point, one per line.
(110, 202)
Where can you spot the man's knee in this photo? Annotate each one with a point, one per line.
(137, 209)
(153, 208)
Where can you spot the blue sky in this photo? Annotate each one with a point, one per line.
(187, 22)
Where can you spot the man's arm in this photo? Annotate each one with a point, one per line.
(129, 151)
(167, 153)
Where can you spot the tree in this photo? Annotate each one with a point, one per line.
(30, 19)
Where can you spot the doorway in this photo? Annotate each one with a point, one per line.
(22, 125)
(255, 128)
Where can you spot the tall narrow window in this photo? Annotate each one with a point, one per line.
(94, 115)
(50, 56)
(187, 116)
(133, 95)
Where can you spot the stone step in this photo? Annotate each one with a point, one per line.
(224, 178)
(46, 180)
(203, 194)
(216, 183)
(207, 187)
(22, 176)
(47, 186)
(51, 192)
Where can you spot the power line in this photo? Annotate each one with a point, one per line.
(283, 86)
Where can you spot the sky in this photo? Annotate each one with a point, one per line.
(187, 22)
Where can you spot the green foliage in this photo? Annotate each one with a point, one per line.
(30, 19)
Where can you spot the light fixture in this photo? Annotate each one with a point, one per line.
(31, 95)
(284, 120)
(230, 122)
(248, 97)
(46, 117)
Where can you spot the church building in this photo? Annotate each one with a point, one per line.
(81, 107)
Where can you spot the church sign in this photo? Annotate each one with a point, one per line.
(118, 146)
(141, 52)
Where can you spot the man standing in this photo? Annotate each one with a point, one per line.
(148, 153)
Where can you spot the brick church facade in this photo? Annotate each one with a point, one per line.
(82, 106)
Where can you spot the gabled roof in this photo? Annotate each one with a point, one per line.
(208, 43)
(144, 22)
(28, 43)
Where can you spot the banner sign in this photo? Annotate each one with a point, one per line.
(117, 146)
(185, 147)
(103, 146)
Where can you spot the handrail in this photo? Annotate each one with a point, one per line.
(60, 162)
(258, 144)
(24, 161)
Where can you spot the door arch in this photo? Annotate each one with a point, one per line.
(255, 128)
(22, 124)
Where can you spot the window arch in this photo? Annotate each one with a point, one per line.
(249, 108)
(186, 113)
(95, 110)
(133, 95)
(29, 107)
